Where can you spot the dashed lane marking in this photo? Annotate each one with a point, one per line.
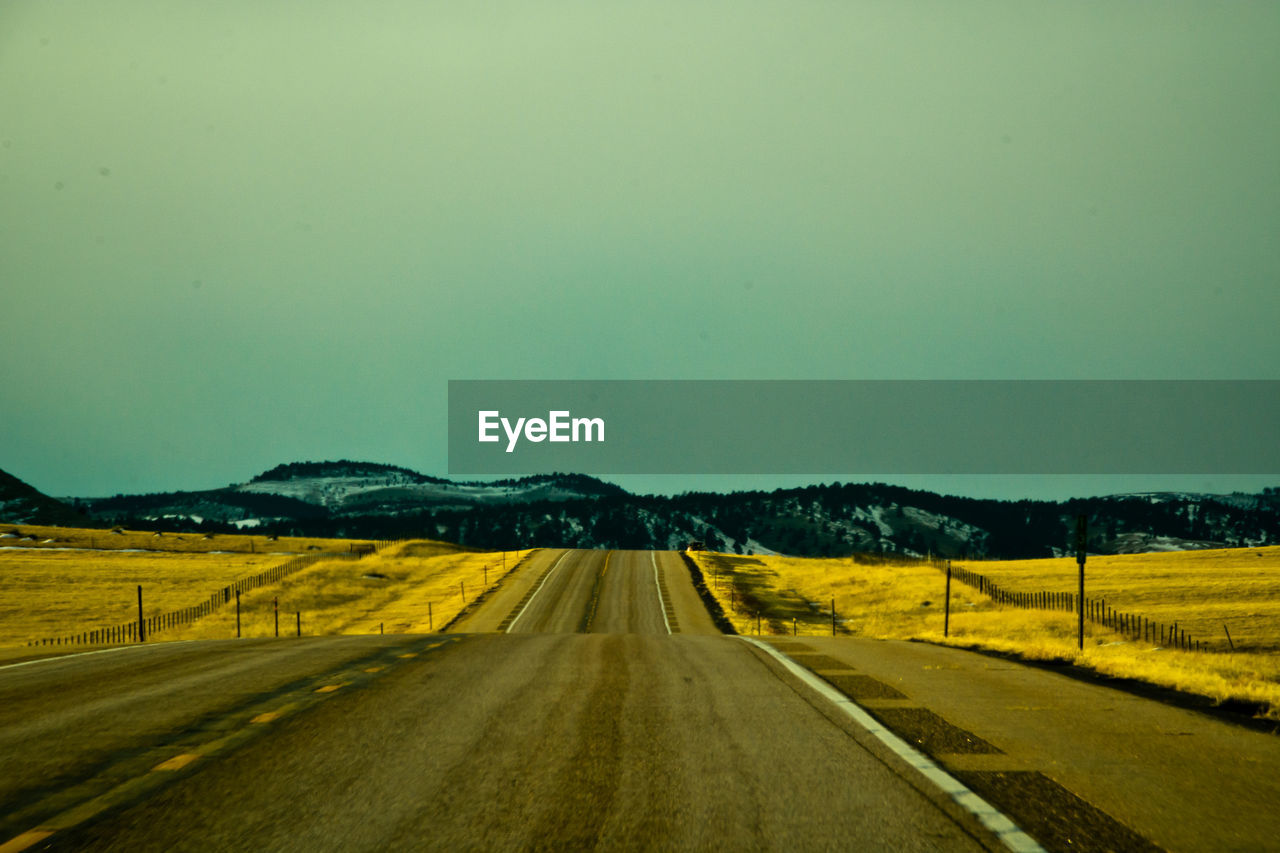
(106, 791)
(177, 762)
(25, 840)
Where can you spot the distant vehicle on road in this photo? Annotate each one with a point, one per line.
(696, 545)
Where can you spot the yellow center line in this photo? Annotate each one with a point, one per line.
(177, 762)
(329, 688)
(25, 840)
(267, 717)
(409, 655)
(373, 669)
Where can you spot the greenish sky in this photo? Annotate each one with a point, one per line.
(241, 233)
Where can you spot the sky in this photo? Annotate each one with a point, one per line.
(243, 233)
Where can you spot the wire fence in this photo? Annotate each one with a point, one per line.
(147, 627)
(1134, 626)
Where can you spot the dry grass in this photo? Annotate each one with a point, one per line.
(905, 601)
(1200, 590)
(412, 587)
(56, 593)
(56, 585)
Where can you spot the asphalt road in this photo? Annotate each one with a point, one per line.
(588, 702)
(575, 721)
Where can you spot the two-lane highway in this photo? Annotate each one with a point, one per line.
(580, 724)
(601, 592)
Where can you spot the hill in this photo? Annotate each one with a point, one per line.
(369, 500)
(21, 503)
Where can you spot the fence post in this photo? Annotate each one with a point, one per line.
(833, 616)
(142, 634)
(1082, 540)
(946, 613)
(299, 623)
(237, 614)
(275, 606)
(431, 628)
(1233, 645)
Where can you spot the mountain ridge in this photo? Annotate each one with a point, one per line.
(365, 499)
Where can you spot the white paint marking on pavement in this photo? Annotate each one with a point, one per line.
(653, 559)
(545, 578)
(1005, 830)
(94, 652)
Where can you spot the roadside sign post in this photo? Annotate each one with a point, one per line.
(1082, 539)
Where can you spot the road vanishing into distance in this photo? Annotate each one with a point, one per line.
(589, 702)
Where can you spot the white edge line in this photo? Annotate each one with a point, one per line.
(1010, 835)
(545, 578)
(654, 559)
(52, 658)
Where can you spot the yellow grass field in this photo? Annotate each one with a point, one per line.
(53, 588)
(28, 536)
(1198, 589)
(411, 587)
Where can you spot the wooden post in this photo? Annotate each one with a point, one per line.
(946, 613)
(463, 586)
(1082, 540)
(237, 614)
(1233, 645)
(430, 625)
(299, 623)
(142, 634)
(275, 606)
(833, 617)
